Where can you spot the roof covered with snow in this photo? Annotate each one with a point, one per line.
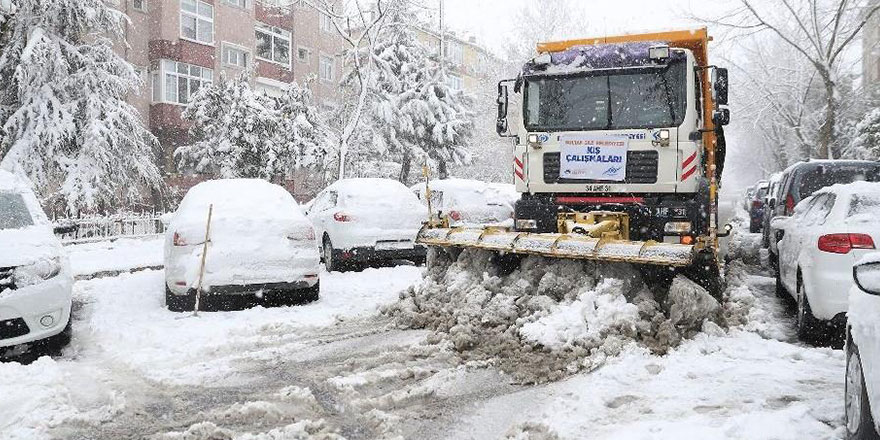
(601, 56)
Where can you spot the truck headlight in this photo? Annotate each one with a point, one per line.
(37, 272)
(677, 228)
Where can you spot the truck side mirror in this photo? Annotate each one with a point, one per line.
(721, 117)
(721, 86)
(501, 125)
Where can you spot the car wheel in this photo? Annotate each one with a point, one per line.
(179, 303)
(807, 324)
(859, 420)
(329, 262)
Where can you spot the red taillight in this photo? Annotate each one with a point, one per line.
(341, 217)
(455, 215)
(789, 205)
(177, 240)
(843, 243)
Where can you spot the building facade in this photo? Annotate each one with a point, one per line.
(471, 65)
(178, 46)
(871, 52)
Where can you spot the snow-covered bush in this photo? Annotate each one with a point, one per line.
(242, 133)
(866, 144)
(65, 122)
(550, 318)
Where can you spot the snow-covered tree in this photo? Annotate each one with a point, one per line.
(239, 132)
(866, 144)
(821, 32)
(412, 113)
(65, 122)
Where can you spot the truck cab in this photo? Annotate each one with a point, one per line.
(617, 126)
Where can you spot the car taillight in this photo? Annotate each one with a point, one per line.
(789, 205)
(305, 234)
(455, 215)
(843, 243)
(177, 240)
(341, 217)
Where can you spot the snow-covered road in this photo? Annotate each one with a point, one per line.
(338, 369)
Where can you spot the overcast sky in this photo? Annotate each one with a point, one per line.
(489, 20)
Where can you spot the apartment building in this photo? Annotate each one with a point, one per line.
(178, 46)
(471, 65)
(871, 53)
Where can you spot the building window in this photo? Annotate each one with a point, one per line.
(197, 21)
(325, 70)
(454, 82)
(235, 56)
(237, 3)
(273, 44)
(176, 82)
(302, 54)
(326, 23)
(139, 5)
(454, 52)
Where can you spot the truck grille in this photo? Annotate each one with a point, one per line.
(6, 279)
(641, 167)
(13, 328)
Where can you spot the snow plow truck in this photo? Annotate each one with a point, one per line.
(618, 151)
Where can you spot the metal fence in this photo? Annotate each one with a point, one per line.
(100, 228)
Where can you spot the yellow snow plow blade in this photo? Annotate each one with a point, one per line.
(555, 245)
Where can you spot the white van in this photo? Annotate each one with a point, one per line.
(35, 277)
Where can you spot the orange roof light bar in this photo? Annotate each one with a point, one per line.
(697, 40)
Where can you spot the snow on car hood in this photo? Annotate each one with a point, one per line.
(27, 245)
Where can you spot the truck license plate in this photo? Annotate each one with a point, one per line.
(598, 188)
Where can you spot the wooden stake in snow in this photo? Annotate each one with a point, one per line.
(204, 256)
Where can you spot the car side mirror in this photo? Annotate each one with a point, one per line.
(721, 86)
(771, 203)
(67, 228)
(867, 277)
(166, 218)
(780, 222)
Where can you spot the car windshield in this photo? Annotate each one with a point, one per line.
(824, 176)
(14, 213)
(642, 98)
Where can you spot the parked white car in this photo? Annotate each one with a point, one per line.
(260, 244)
(35, 277)
(367, 220)
(862, 394)
(825, 236)
(468, 202)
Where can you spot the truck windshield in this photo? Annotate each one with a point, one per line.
(626, 99)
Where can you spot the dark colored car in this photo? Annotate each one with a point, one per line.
(756, 207)
(770, 201)
(802, 179)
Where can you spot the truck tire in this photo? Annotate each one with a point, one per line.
(858, 419)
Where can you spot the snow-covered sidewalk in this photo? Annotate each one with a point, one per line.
(111, 257)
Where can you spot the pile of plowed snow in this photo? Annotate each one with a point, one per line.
(550, 318)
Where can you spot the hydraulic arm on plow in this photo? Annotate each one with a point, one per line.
(618, 153)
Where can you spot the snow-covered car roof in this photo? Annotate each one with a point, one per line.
(848, 189)
(241, 196)
(368, 186)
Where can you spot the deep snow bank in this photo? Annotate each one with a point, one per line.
(549, 318)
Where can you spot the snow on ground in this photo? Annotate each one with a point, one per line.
(113, 256)
(336, 369)
(178, 348)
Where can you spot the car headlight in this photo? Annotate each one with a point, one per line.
(36, 273)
